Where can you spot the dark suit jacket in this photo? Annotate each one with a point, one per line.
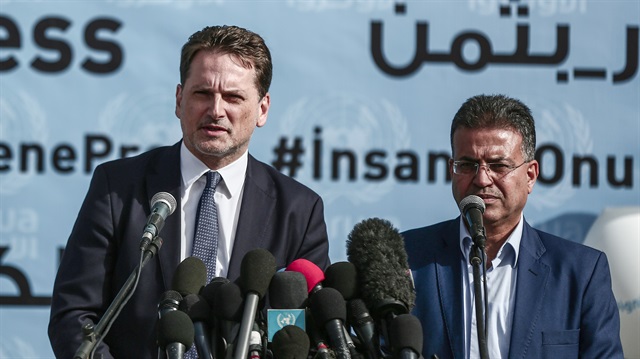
(564, 305)
(277, 213)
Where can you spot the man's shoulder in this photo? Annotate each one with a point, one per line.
(140, 160)
(261, 171)
(430, 229)
(565, 250)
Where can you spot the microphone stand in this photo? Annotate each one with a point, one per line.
(92, 335)
(477, 260)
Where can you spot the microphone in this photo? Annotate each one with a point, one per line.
(256, 270)
(290, 342)
(312, 273)
(364, 327)
(287, 298)
(208, 291)
(162, 205)
(227, 305)
(343, 277)
(175, 334)
(472, 208)
(255, 342)
(288, 290)
(169, 301)
(328, 307)
(190, 276)
(199, 311)
(377, 250)
(406, 337)
(215, 326)
(314, 277)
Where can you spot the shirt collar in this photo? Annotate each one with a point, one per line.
(233, 175)
(513, 241)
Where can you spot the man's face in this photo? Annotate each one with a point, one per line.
(219, 107)
(504, 195)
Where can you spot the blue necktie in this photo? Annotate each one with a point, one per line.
(205, 239)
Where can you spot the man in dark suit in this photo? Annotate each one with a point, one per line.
(222, 97)
(547, 297)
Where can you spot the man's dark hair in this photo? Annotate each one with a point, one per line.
(498, 111)
(246, 46)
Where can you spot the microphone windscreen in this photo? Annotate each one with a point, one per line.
(175, 327)
(290, 342)
(196, 307)
(406, 333)
(229, 303)
(288, 290)
(190, 276)
(256, 270)
(327, 304)
(343, 277)
(165, 198)
(471, 201)
(312, 273)
(209, 289)
(376, 248)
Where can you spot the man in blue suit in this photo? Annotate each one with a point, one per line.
(546, 297)
(223, 95)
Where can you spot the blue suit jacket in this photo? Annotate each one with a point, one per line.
(564, 305)
(277, 213)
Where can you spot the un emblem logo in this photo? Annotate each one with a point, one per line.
(284, 319)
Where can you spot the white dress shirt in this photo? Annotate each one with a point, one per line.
(501, 288)
(228, 197)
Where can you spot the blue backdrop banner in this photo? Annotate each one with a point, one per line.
(362, 100)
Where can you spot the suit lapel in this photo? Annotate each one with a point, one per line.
(165, 177)
(256, 211)
(449, 272)
(530, 291)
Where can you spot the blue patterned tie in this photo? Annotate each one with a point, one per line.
(205, 239)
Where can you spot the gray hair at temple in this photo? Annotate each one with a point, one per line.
(498, 111)
(246, 46)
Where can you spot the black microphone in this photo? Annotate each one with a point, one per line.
(377, 250)
(288, 299)
(190, 276)
(199, 311)
(290, 342)
(215, 325)
(288, 290)
(329, 308)
(227, 306)
(406, 337)
(364, 326)
(162, 205)
(256, 270)
(169, 301)
(472, 208)
(343, 277)
(175, 334)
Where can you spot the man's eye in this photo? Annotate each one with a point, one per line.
(467, 166)
(499, 167)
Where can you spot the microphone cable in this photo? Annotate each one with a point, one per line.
(153, 248)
